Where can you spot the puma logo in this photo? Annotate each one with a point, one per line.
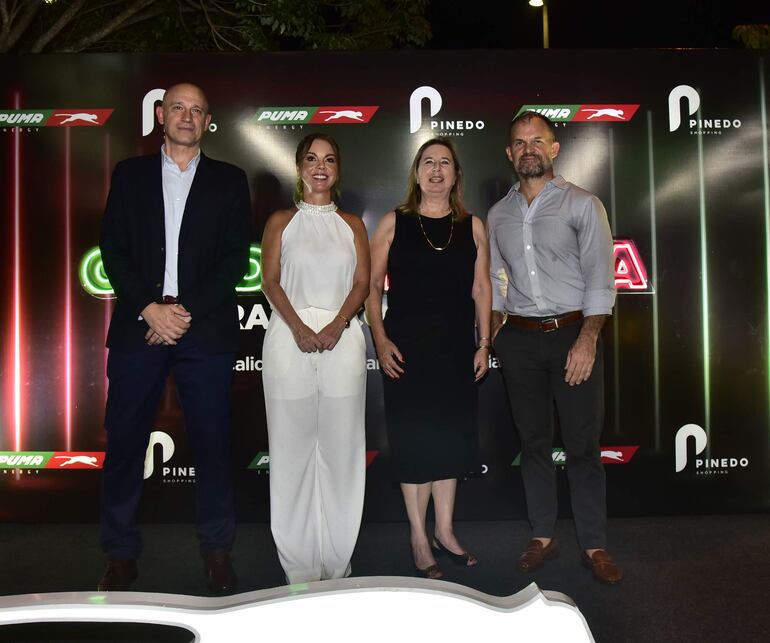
(80, 116)
(609, 111)
(343, 113)
(90, 460)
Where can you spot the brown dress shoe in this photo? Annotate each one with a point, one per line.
(118, 575)
(536, 554)
(219, 571)
(604, 568)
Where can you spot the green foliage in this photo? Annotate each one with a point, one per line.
(753, 36)
(215, 25)
(335, 24)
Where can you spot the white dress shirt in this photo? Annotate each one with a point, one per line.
(176, 188)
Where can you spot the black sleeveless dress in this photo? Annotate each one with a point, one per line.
(431, 410)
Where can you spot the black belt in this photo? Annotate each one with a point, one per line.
(545, 324)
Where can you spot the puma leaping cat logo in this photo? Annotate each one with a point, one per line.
(343, 113)
(608, 111)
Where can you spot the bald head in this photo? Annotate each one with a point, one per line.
(188, 90)
(185, 116)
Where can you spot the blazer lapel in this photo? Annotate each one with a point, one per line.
(192, 207)
(157, 206)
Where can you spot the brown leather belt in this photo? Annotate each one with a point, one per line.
(170, 299)
(545, 324)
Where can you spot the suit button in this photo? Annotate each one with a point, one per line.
(162, 249)
(157, 285)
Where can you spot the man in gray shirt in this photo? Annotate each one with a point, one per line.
(553, 287)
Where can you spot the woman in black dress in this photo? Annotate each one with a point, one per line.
(436, 257)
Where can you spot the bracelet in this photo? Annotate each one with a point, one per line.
(482, 348)
(345, 319)
(483, 338)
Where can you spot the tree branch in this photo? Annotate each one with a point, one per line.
(152, 13)
(15, 8)
(108, 28)
(82, 25)
(222, 9)
(10, 38)
(4, 19)
(93, 7)
(215, 33)
(54, 30)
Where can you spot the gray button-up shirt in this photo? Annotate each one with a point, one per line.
(176, 187)
(552, 256)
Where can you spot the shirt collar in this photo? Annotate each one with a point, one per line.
(170, 163)
(558, 182)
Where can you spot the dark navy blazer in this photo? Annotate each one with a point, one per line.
(213, 250)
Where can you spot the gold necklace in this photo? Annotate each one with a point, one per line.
(451, 230)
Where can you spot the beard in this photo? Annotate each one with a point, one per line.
(532, 167)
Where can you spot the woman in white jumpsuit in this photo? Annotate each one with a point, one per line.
(315, 274)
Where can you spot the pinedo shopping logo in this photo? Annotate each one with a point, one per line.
(161, 446)
(700, 125)
(446, 126)
(701, 465)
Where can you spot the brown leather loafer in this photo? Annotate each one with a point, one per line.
(118, 575)
(536, 554)
(219, 571)
(604, 568)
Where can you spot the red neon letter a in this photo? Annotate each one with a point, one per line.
(629, 268)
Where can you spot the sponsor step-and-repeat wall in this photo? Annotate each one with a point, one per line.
(673, 142)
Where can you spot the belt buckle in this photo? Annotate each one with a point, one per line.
(544, 324)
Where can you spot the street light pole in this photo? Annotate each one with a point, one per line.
(541, 3)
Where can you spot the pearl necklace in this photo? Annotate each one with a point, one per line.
(312, 208)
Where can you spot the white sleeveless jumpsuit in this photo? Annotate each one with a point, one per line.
(315, 405)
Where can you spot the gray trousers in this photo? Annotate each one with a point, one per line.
(533, 369)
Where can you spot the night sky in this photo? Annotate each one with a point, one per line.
(594, 24)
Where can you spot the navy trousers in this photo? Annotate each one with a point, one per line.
(136, 383)
(533, 369)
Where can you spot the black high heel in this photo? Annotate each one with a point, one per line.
(467, 559)
(431, 572)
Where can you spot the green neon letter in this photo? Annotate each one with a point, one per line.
(92, 276)
(94, 279)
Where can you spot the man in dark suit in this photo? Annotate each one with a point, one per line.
(175, 243)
